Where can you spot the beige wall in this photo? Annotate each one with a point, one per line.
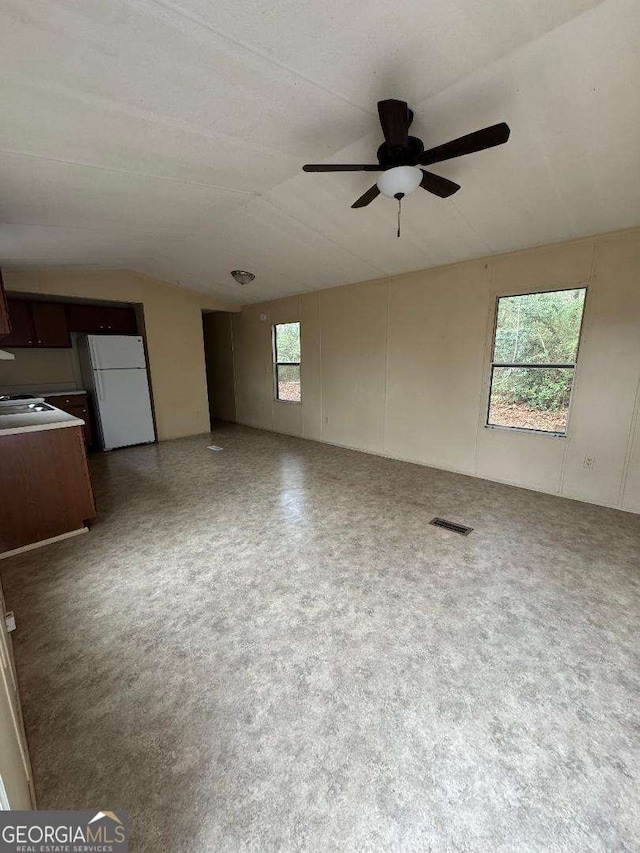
(173, 326)
(40, 370)
(400, 367)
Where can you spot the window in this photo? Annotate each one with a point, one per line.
(534, 358)
(286, 357)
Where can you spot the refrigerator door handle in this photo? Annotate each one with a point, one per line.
(94, 352)
(99, 385)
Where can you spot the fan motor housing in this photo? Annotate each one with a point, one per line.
(400, 155)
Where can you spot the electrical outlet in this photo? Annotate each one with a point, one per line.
(326, 420)
(589, 462)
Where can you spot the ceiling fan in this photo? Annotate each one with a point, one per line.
(401, 155)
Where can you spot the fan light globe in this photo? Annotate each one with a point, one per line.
(399, 180)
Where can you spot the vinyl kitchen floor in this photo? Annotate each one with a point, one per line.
(270, 649)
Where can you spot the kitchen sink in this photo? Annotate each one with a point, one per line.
(25, 408)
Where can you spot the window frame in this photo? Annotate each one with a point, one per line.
(549, 366)
(277, 364)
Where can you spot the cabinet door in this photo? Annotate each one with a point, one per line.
(78, 406)
(50, 324)
(22, 333)
(120, 321)
(5, 323)
(87, 430)
(46, 474)
(86, 318)
(82, 412)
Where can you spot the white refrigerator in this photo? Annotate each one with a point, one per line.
(114, 370)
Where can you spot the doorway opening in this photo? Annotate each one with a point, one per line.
(217, 328)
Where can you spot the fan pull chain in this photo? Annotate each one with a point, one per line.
(399, 213)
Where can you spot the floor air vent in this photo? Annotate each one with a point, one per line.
(451, 525)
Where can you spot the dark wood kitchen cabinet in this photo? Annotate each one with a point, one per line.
(31, 323)
(121, 321)
(85, 318)
(5, 323)
(47, 476)
(22, 333)
(50, 324)
(37, 324)
(102, 319)
(78, 406)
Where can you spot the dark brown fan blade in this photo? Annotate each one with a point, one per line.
(394, 118)
(477, 141)
(335, 167)
(368, 197)
(437, 185)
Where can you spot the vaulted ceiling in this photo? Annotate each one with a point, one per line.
(167, 136)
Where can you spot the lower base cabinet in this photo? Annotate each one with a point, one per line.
(47, 476)
(78, 406)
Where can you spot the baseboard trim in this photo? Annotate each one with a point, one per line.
(24, 548)
(464, 473)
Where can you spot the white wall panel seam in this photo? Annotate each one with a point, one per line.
(629, 451)
(485, 375)
(576, 372)
(485, 368)
(233, 366)
(386, 371)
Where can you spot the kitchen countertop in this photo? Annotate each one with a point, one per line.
(12, 391)
(46, 394)
(36, 421)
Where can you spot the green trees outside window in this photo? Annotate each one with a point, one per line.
(534, 356)
(286, 356)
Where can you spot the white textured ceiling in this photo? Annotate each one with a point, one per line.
(168, 136)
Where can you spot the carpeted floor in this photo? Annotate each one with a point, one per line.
(270, 649)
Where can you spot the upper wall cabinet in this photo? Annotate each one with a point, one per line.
(5, 323)
(50, 324)
(37, 324)
(22, 333)
(86, 318)
(121, 321)
(101, 319)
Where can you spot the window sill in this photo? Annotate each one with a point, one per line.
(288, 402)
(527, 430)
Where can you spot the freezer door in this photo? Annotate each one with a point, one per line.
(113, 352)
(124, 407)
